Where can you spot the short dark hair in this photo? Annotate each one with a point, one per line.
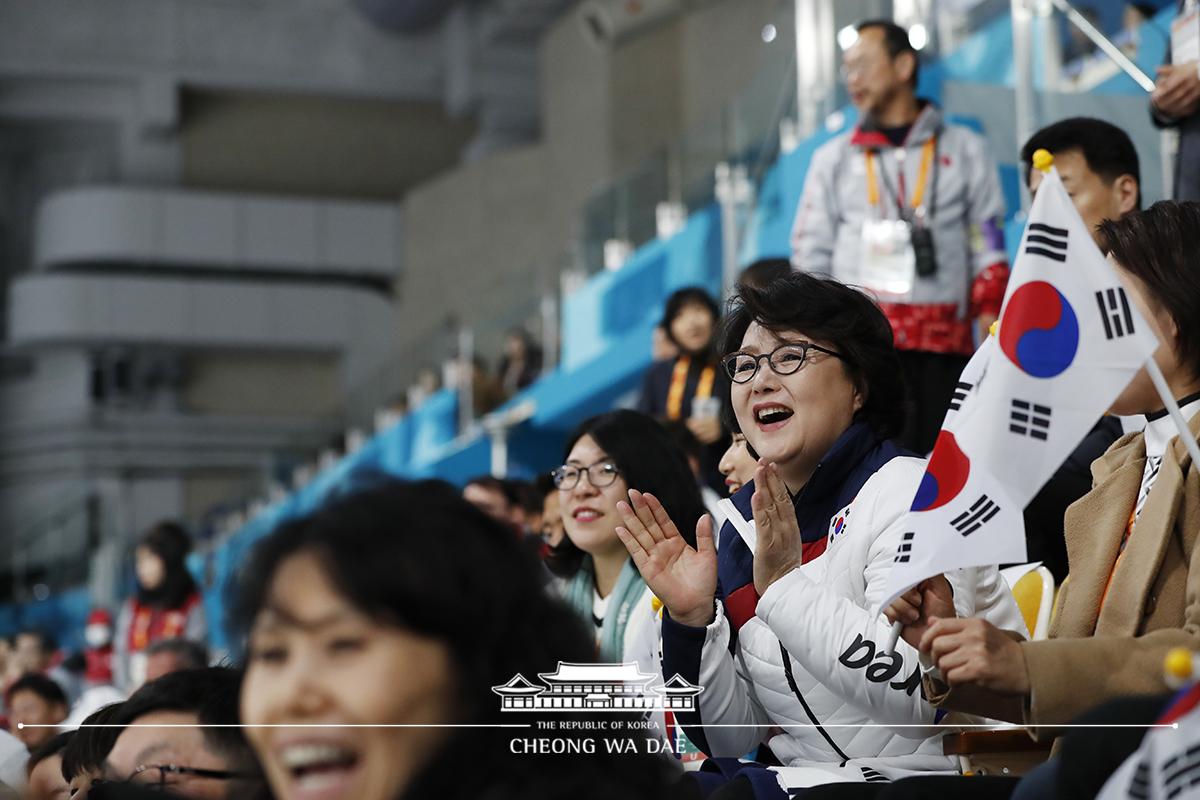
(681, 299)
(211, 693)
(47, 749)
(1160, 247)
(763, 271)
(192, 654)
(829, 311)
(1107, 149)
(39, 684)
(89, 748)
(895, 39)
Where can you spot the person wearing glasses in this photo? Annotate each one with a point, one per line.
(166, 743)
(781, 623)
(607, 457)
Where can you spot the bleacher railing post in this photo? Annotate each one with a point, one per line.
(1025, 117)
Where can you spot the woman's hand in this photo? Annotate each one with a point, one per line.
(914, 609)
(682, 577)
(779, 549)
(976, 652)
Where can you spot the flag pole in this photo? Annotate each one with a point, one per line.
(1164, 391)
(1043, 160)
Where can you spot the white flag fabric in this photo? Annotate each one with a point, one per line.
(1069, 341)
(1167, 765)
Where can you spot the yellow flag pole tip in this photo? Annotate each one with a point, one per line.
(1043, 159)
(1178, 663)
(995, 326)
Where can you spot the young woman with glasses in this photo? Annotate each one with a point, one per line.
(802, 566)
(607, 457)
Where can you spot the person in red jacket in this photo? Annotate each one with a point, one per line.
(167, 603)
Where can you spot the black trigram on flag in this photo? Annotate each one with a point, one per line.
(980, 512)
(1044, 240)
(1114, 311)
(1029, 419)
(904, 549)
(960, 393)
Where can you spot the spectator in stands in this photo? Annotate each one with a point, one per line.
(83, 758)
(908, 206)
(44, 769)
(495, 498)
(551, 528)
(688, 387)
(606, 457)
(738, 463)
(171, 655)
(815, 389)
(521, 363)
(195, 750)
(1098, 165)
(35, 705)
(166, 605)
(447, 607)
(35, 651)
(1175, 102)
(1131, 540)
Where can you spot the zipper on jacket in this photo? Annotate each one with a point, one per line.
(787, 670)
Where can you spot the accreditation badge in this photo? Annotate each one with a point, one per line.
(1185, 35)
(888, 265)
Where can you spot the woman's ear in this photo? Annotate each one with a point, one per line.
(860, 398)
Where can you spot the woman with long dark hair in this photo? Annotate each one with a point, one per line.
(166, 605)
(606, 457)
(378, 630)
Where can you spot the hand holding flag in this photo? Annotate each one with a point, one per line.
(1068, 343)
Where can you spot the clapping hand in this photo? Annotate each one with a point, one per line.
(779, 549)
(683, 577)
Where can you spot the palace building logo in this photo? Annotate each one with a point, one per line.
(597, 687)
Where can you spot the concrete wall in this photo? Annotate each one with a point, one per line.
(328, 147)
(260, 384)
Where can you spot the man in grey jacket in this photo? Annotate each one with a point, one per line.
(1175, 102)
(909, 207)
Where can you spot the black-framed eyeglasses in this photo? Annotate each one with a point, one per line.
(156, 776)
(599, 475)
(784, 360)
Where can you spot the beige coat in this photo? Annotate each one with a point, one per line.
(1095, 654)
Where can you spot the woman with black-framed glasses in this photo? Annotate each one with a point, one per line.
(781, 623)
(607, 457)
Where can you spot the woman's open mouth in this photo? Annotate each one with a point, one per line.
(772, 416)
(320, 771)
